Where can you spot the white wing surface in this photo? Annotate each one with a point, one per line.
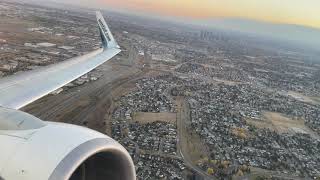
(19, 90)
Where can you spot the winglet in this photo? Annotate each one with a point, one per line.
(107, 38)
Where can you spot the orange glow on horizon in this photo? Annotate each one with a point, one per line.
(298, 12)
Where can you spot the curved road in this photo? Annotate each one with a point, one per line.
(182, 116)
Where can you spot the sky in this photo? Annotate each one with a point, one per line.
(298, 12)
(295, 21)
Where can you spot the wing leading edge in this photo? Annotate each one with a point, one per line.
(19, 90)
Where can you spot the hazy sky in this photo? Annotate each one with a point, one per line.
(301, 12)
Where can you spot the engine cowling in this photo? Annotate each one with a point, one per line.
(32, 149)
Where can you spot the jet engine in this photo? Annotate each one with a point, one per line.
(32, 149)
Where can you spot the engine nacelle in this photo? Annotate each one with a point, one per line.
(32, 149)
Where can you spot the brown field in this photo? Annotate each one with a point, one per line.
(306, 99)
(281, 124)
(231, 83)
(316, 99)
(284, 124)
(143, 117)
(260, 123)
(15, 32)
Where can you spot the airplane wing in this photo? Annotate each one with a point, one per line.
(35, 149)
(19, 90)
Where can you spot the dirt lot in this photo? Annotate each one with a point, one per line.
(146, 117)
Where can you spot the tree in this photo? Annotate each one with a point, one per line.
(210, 171)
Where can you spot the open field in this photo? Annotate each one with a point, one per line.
(316, 99)
(148, 117)
(284, 124)
(281, 124)
(15, 31)
(306, 99)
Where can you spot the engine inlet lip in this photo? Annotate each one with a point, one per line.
(84, 151)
